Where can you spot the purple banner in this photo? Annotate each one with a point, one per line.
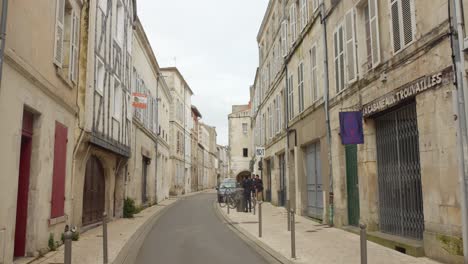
(351, 128)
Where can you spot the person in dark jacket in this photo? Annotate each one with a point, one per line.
(247, 184)
(259, 188)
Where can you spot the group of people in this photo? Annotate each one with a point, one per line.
(253, 186)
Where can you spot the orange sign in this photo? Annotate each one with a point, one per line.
(140, 100)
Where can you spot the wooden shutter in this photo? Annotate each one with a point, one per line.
(284, 33)
(313, 63)
(408, 26)
(292, 21)
(395, 25)
(374, 31)
(59, 32)
(59, 171)
(74, 40)
(351, 65)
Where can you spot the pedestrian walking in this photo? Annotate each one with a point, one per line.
(259, 188)
(247, 184)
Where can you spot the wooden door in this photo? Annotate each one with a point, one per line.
(23, 185)
(94, 192)
(352, 184)
(314, 182)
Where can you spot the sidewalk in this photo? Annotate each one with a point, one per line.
(123, 234)
(315, 243)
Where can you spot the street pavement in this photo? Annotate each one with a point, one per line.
(192, 232)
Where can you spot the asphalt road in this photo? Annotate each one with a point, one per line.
(191, 232)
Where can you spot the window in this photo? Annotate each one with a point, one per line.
(403, 28)
(290, 98)
(119, 20)
(129, 106)
(66, 40)
(339, 58)
(117, 100)
(74, 40)
(351, 62)
(59, 171)
(245, 152)
(293, 22)
(101, 75)
(275, 116)
(300, 85)
(279, 112)
(284, 38)
(315, 5)
(244, 128)
(270, 122)
(59, 32)
(314, 78)
(304, 13)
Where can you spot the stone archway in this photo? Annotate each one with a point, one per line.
(93, 192)
(241, 175)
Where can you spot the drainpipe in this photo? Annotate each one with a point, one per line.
(286, 121)
(3, 36)
(323, 18)
(459, 99)
(157, 138)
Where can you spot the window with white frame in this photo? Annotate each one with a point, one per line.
(270, 121)
(403, 23)
(293, 22)
(244, 128)
(117, 113)
(300, 85)
(100, 76)
(314, 88)
(284, 38)
(345, 58)
(338, 44)
(278, 113)
(315, 4)
(67, 24)
(291, 97)
(275, 116)
(281, 111)
(120, 19)
(304, 13)
(351, 62)
(372, 39)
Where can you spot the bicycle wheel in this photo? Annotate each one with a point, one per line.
(222, 201)
(232, 201)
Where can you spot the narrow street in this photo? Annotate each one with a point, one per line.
(191, 232)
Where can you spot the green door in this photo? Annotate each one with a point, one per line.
(352, 183)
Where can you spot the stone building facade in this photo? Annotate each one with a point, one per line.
(195, 140)
(37, 112)
(180, 130)
(390, 62)
(240, 148)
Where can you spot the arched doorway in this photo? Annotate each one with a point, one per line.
(94, 192)
(242, 175)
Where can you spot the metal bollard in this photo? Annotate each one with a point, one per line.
(227, 205)
(104, 237)
(293, 235)
(363, 243)
(255, 204)
(260, 219)
(288, 207)
(67, 237)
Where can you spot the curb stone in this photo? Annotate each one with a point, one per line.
(271, 255)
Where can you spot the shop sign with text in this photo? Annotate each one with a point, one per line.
(408, 91)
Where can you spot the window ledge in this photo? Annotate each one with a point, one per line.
(58, 220)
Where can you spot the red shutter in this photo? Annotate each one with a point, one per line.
(58, 182)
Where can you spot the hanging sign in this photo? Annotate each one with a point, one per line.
(260, 152)
(140, 100)
(408, 91)
(351, 131)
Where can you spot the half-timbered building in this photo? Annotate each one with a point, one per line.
(105, 119)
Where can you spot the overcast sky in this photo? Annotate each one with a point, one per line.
(213, 43)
